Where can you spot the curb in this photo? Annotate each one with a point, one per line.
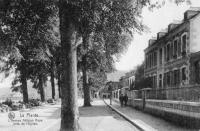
(127, 118)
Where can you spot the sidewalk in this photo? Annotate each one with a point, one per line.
(99, 117)
(147, 119)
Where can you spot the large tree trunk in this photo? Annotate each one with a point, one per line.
(69, 106)
(24, 85)
(52, 79)
(41, 88)
(86, 88)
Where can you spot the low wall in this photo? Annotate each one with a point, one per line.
(187, 93)
(178, 112)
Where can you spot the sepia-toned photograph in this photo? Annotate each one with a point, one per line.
(99, 65)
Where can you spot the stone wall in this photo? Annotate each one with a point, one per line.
(178, 112)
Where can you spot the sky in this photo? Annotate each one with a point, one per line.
(155, 20)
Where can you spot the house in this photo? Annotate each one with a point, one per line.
(172, 59)
(131, 79)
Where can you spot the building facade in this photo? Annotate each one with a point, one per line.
(128, 80)
(131, 79)
(173, 58)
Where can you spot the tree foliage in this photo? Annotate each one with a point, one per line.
(27, 33)
(140, 80)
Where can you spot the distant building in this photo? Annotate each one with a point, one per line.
(131, 79)
(109, 87)
(127, 82)
(124, 85)
(173, 58)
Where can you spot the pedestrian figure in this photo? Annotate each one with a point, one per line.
(121, 99)
(125, 99)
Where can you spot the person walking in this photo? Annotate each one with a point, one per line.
(121, 100)
(125, 99)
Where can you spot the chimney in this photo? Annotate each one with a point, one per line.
(191, 12)
(160, 34)
(172, 26)
(151, 41)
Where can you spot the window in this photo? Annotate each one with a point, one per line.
(160, 56)
(168, 52)
(164, 80)
(197, 72)
(175, 50)
(165, 53)
(160, 81)
(146, 62)
(150, 60)
(179, 46)
(184, 42)
(176, 77)
(183, 72)
(154, 81)
(155, 58)
(168, 78)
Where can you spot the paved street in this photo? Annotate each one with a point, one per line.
(148, 120)
(101, 118)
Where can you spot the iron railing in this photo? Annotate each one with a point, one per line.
(190, 93)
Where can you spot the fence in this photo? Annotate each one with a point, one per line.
(190, 93)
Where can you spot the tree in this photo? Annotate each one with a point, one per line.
(97, 79)
(25, 35)
(54, 59)
(38, 76)
(140, 80)
(58, 68)
(119, 17)
(52, 68)
(68, 18)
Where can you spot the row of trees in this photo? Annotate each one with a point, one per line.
(60, 38)
(103, 27)
(27, 43)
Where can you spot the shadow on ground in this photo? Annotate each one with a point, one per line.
(93, 111)
(98, 111)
